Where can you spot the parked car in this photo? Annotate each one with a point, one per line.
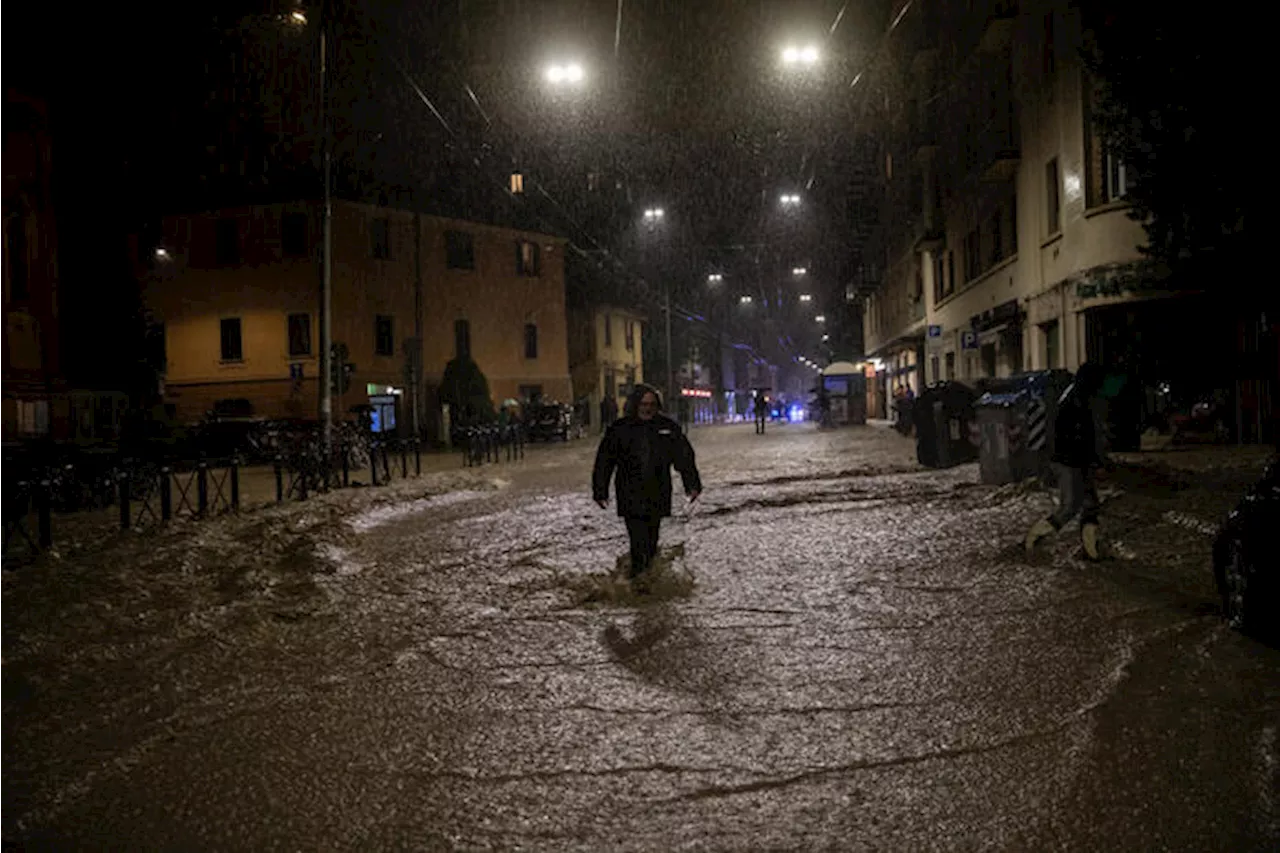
(1245, 564)
(550, 420)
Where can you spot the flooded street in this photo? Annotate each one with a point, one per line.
(845, 652)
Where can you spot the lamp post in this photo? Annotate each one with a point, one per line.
(326, 253)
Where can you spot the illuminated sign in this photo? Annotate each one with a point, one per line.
(695, 392)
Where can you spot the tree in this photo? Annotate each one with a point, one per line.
(466, 391)
(1166, 103)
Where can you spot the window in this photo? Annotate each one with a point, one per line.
(972, 258)
(934, 369)
(1053, 201)
(299, 334)
(517, 183)
(1107, 178)
(232, 349)
(988, 360)
(227, 242)
(951, 365)
(293, 235)
(383, 340)
(995, 244)
(608, 330)
(530, 340)
(462, 339)
(16, 254)
(460, 253)
(380, 239)
(951, 272)
(1052, 344)
(528, 259)
(631, 335)
(939, 278)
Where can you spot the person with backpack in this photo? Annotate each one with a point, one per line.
(1078, 452)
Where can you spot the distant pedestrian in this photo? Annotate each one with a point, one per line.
(608, 412)
(642, 447)
(761, 413)
(1078, 452)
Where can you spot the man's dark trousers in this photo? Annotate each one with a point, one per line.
(643, 532)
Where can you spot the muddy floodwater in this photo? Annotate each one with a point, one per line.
(842, 651)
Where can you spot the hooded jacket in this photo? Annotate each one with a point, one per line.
(1079, 436)
(642, 453)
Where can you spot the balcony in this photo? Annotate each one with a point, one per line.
(997, 31)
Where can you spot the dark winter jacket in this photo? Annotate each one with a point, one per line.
(1077, 434)
(643, 453)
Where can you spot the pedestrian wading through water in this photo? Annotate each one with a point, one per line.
(642, 447)
(1078, 453)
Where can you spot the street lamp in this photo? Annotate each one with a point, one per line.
(807, 55)
(715, 278)
(299, 17)
(653, 214)
(826, 337)
(804, 297)
(570, 73)
(798, 271)
(162, 254)
(820, 319)
(744, 300)
(789, 200)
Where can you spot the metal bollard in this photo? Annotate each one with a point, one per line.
(235, 484)
(166, 494)
(373, 461)
(417, 458)
(404, 461)
(124, 501)
(202, 489)
(44, 518)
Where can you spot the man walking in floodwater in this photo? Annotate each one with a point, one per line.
(1078, 452)
(643, 446)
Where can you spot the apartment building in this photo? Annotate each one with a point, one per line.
(237, 291)
(605, 354)
(32, 371)
(1003, 243)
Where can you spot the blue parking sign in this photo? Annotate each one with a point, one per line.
(968, 340)
(935, 331)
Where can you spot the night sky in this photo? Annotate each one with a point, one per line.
(685, 102)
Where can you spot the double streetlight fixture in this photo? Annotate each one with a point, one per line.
(715, 278)
(804, 297)
(654, 213)
(789, 200)
(820, 319)
(798, 270)
(807, 55)
(570, 73)
(744, 300)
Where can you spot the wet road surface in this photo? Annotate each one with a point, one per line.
(846, 652)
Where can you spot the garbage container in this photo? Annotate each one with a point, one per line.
(943, 413)
(1014, 419)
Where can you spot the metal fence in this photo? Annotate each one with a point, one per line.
(41, 494)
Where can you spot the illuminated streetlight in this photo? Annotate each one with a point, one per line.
(798, 270)
(820, 319)
(571, 73)
(162, 254)
(654, 213)
(804, 297)
(298, 17)
(744, 300)
(807, 55)
(826, 337)
(715, 278)
(789, 200)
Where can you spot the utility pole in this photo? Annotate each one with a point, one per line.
(326, 262)
(670, 363)
(415, 355)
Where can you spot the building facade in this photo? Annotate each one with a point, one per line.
(1004, 243)
(33, 382)
(237, 294)
(606, 355)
